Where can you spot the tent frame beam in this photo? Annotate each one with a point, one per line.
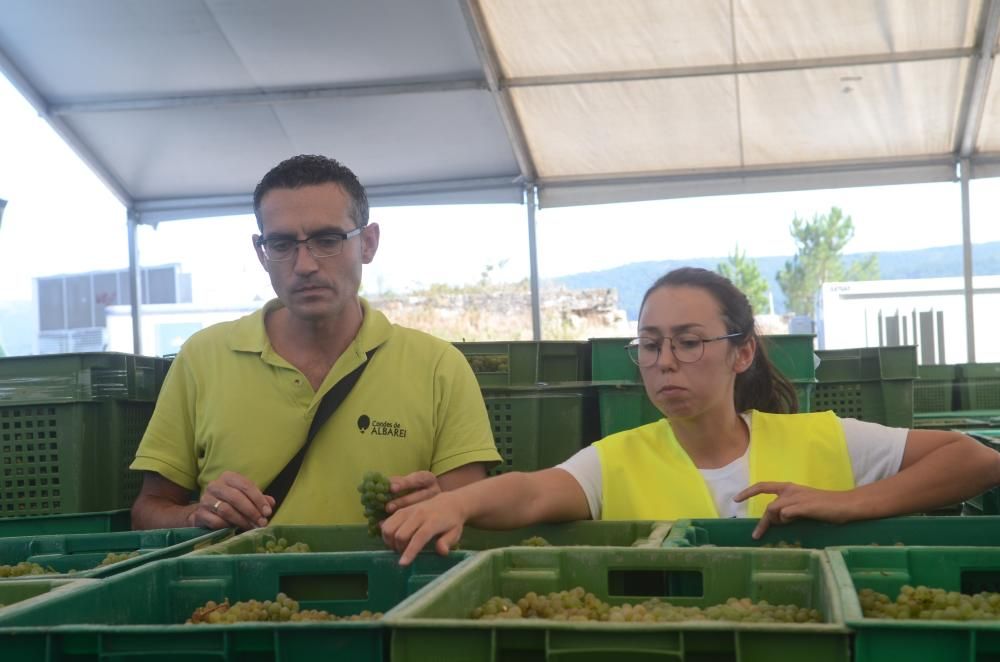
(737, 69)
(265, 96)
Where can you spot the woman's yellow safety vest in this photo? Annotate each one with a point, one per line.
(648, 476)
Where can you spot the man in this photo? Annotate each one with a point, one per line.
(240, 396)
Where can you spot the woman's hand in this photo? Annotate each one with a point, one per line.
(415, 487)
(797, 501)
(409, 529)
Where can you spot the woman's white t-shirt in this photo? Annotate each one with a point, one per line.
(876, 452)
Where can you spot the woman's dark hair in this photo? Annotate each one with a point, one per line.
(761, 386)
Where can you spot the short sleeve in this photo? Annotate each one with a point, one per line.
(462, 426)
(168, 446)
(585, 467)
(876, 451)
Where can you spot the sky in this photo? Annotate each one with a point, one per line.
(60, 219)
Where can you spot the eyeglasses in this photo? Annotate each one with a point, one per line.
(324, 244)
(686, 348)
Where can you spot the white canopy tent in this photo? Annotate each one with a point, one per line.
(181, 105)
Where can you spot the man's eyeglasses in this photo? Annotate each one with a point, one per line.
(324, 244)
(686, 348)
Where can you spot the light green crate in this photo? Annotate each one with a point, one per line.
(436, 626)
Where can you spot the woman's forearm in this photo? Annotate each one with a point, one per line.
(947, 475)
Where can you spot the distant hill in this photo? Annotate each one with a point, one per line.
(631, 280)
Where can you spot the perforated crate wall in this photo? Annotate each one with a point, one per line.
(889, 402)
(539, 428)
(69, 457)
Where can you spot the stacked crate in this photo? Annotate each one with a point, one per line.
(69, 427)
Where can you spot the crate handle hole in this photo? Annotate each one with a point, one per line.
(343, 586)
(656, 583)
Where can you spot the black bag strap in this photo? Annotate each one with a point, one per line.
(282, 483)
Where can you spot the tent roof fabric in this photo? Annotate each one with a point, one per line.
(182, 105)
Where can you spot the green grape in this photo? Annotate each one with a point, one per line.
(113, 557)
(281, 546)
(279, 610)
(374, 489)
(22, 569)
(535, 541)
(925, 603)
(577, 605)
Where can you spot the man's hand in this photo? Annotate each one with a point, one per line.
(408, 530)
(796, 501)
(419, 485)
(232, 500)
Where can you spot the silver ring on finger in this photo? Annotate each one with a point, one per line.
(215, 506)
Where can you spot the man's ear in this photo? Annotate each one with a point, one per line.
(369, 242)
(259, 251)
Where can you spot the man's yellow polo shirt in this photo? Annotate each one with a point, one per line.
(230, 402)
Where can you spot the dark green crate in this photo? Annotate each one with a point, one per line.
(69, 457)
(966, 420)
(979, 386)
(792, 355)
(936, 389)
(106, 522)
(939, 531)
(140, 614)
(886, 570)
(81, 554)
(539, 427)
(867, 364)
(623, 407)
(610, 361)
(889, 402)
(354, 537)
(27, 592)
(523, 363)
(435, 625)
(79, 377)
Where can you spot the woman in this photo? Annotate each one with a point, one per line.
(726, 447)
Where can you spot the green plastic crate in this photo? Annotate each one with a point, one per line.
(610, 361)
(867, 364)
(936, 531)
(81, 554)
(28, 592)
(523, 363)
(140, 614)
(539, 427)
(352, 538)
(969, 570)
(887, 402)
(79, 377)
(979, 386)
(70, 457)
(936, 389)
(792, 355)
(106, 522)
(623, 407)
(966, 420)
(435, 625)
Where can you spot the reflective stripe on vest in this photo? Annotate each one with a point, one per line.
(647, 475)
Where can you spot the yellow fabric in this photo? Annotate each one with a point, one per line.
(646, 473)
(230, 402)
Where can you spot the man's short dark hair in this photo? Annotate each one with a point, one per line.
(309, 170)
